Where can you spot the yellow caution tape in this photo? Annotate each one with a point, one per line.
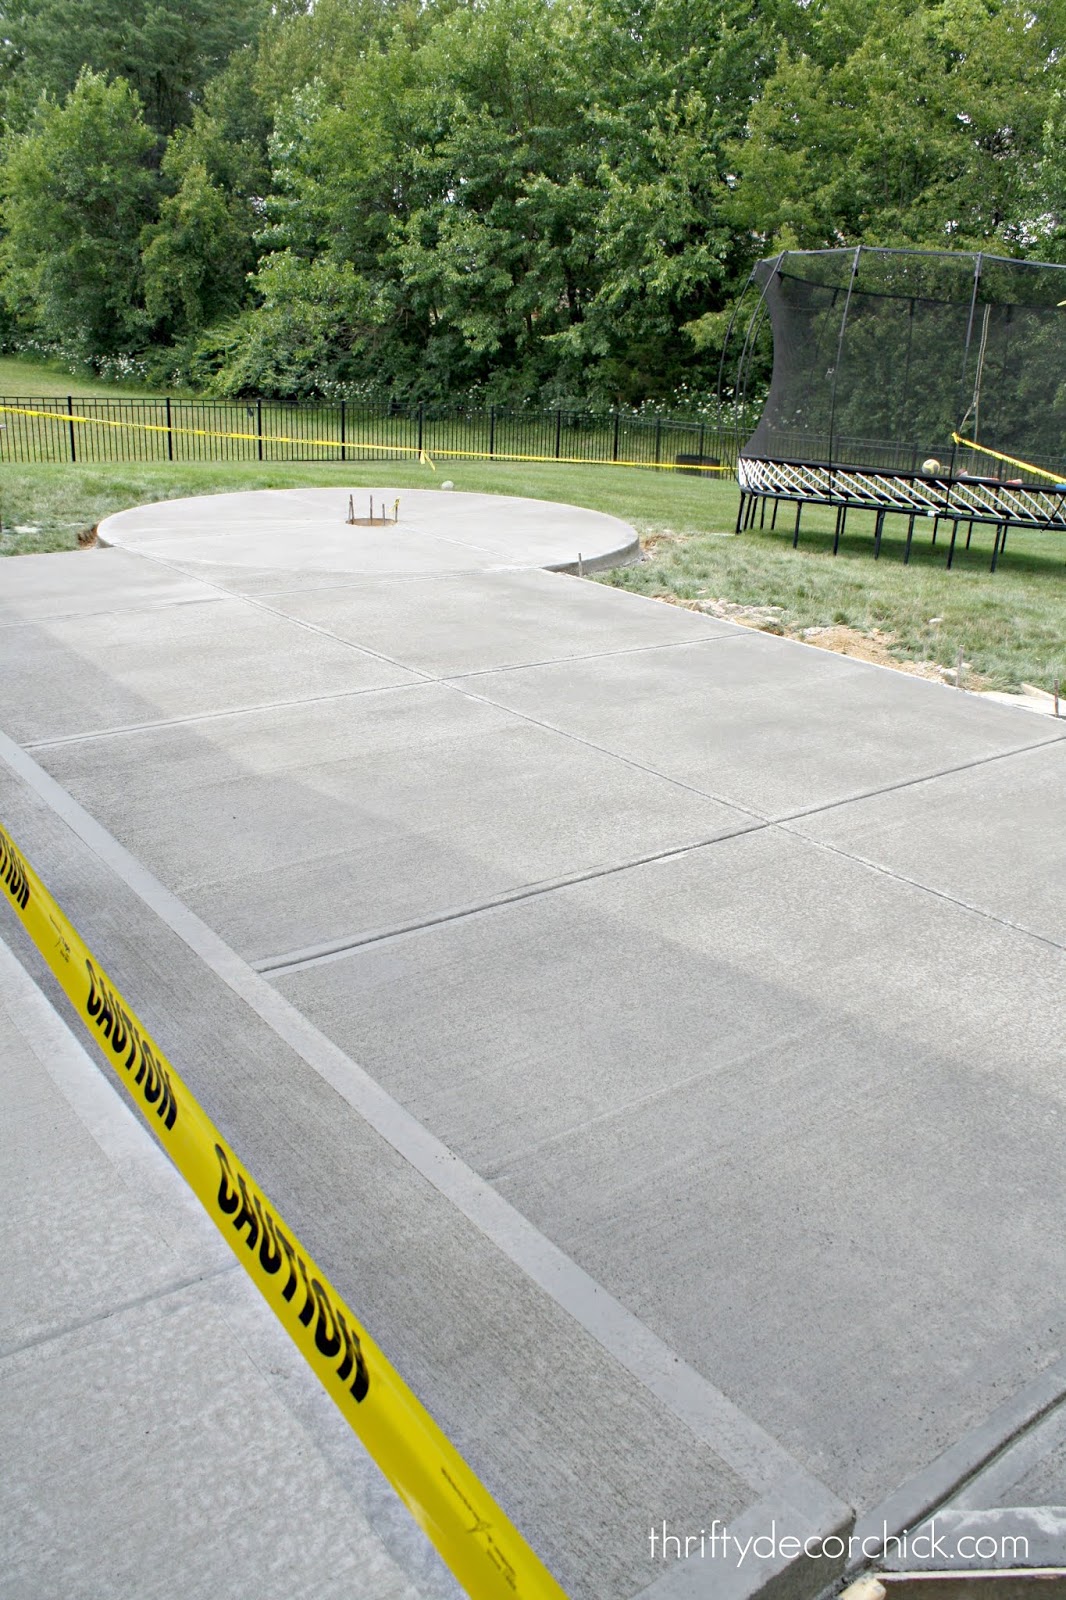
(486, 1553)
(350, 444)
(1027, 466)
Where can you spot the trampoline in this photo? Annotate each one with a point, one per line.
(929, 385)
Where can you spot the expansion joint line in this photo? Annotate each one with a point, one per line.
(282, 963)
(457, 684)
(924, 888)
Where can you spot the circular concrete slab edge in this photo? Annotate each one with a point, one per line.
(423, 530)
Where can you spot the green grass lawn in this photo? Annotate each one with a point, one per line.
(29, 377)
(1011, 626)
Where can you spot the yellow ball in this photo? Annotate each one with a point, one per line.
(930, 466)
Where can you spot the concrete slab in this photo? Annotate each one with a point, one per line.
(155, 1431)
(77, 675)
(332, 820)
(738, 1086)
(1045, 1483)
(714, 1149)
(305, 530)
(478, 622)
(88, 581)
(960, 834)
(64, 1266)
(766, 723)
(210, 1492)
(1030, 1472)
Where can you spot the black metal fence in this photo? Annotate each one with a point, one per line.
(73, 428)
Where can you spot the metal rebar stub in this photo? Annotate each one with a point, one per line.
(379, 519)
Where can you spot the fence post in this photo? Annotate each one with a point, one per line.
(344, 413)
(700, 450)
(421, 426)
(492, 430)
(558, 433)
(70, 425)
(614, 449)
(170, 434)
(259, 426)
(658, 438)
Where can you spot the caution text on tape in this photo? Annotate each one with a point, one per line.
(481, 1546)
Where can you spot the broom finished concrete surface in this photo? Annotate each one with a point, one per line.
(655, 1029)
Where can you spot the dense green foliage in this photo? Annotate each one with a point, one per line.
(76, 194)
(506, 198)
(166, 52)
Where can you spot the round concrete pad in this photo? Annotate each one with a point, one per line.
(307, 530)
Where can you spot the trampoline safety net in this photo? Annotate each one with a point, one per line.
(880, 356)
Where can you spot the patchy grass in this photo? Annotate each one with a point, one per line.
(1011, 625)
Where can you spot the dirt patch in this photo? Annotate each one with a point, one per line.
(654, 542)
(660, 541)
(874, 646)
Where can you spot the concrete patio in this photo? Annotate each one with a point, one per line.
(654, 1027)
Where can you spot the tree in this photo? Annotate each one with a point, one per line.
(76, 190)
(166, 50)
(531, 195)
(670, 85)
(198, 255)
(323, 42)
(309, 329)
(907, 123)
(511, 197)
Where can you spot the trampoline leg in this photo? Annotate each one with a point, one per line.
(740, 510)
(753, 506)
(796, 529)
(969, 533)
(773, 519)
(951, 546)
(1003, 541)
(996, 547)
(936, 524)
(878, 530)
(838, 529)
(762, 514)
(910, 540)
